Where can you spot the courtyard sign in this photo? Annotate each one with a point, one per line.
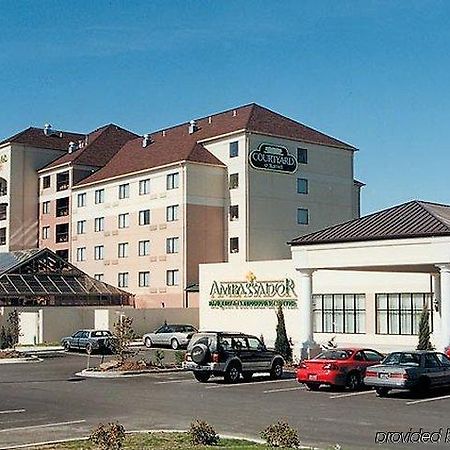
(273, 157)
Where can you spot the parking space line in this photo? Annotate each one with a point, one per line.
(175, 381)
(46, 425)
(255, 383)
(352, 394)
(12, 411)
(270, 391)
(428, 400)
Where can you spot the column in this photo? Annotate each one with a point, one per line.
(444, 271)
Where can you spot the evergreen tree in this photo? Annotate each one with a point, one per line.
(13, 328)
(424, 330)
(282, 345)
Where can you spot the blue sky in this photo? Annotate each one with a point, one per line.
(373, 73)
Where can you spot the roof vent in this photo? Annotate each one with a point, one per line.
(146, 140)
(209, 119)
(72, 146)
(234, 113)
(192, 126)
(163, 132)
(48, 131)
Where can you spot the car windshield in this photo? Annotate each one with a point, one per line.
(335, 354)
(398, 359)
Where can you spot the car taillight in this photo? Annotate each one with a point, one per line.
(371, 373)
(402, 376)
(331, 366)
(215, 357)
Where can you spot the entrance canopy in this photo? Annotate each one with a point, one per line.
(40, 277)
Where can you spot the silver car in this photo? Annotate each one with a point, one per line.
(174, 336)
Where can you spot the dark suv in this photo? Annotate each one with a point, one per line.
(230, 355)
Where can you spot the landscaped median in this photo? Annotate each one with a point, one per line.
(15, 357)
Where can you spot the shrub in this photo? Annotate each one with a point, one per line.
(14, 327)
(201, 433)
(5, 341)
(179, 357)
(124, 334)
(159, 358)
(424, 330)
(282, 344)
(108, 437)
(280, 434)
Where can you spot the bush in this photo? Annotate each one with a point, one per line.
(424, 330)
(124, 334)
(280, 434)
(282, 344)
(179, 357)
(201, 433)
(108, 437)
(159, 358)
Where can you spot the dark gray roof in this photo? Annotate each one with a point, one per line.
(12, 259)
(408, 220)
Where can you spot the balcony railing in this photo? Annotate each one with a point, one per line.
(62, 185)
(62, 211)
(62, 237)
(3, 191)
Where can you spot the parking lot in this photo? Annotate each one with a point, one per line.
(45, 401)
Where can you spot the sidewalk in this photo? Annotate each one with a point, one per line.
(39, 349)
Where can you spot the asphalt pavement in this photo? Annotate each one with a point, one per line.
(45, 401)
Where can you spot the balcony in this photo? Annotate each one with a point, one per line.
(62, 181)
(62, 233)
(62, 207)
(3, 187)
(2, 236)
(3, 211)
(62, 237)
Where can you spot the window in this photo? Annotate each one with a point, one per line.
(234, 149)
(99, 196)
(234, 181)
(339, 313)
(172, 245)
(400, 313)
(46, 182)
(3, 211)
(62, 233)
(64, 254)
(124, 220)
(234, 245)
(81, 200)
(45, 232)
(62, 207)
(81, 227)
(302, 186)
(302, 156)
(122, 279)
(122, 250)
(302, 216)
(172, 277)
(144, 248)
(144, 187)
(99, 252)
(234, 212)
(144, 279)
(124, 191)
(99, 224)
(173, 180)
(3, 187)
(99, 276)
(46, 208)
(62, 181)
(144, 217)
(172, 213)
(81, 254)
(2, 236)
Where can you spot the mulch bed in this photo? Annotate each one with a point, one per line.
(8, 354)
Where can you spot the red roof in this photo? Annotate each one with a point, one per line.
(176, 144)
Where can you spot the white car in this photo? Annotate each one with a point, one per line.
(174, 336)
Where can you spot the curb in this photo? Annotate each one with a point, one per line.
(29, 359)
(89, 373)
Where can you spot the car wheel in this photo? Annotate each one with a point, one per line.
(203, 377)
(313, 386)
(66, 346)
(148, 342)
(174, 344)
(88, 349)
(382, 391)
(232, 373)
(247, 376)
(276, 371)
(353, 381)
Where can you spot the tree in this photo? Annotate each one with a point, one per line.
(14, 327)
(124, 334)
(424, 330)
(282, 345)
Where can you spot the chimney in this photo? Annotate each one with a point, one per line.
(234, 113)
(146, 140)
(192, 126)
(209, 119)
(163, 132)
(47, 129)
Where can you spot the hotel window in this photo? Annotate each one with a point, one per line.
(302, 186)
(64, 254)
(81, 227)
(46, 182)
(81, 200)
(99, 196)
(234, 212)
(124, 220)
(99, 276)
(302, 216)
(46, 208)
(172, 213)
(172, 245)
(339, 313)
(234, 245)
(122, 279)
(234, 149)
(2, 236)
(3, 211)
(144, 279)
(302, 156)
(62, 181)
(122, 250)
(144, 217)
(99, 224)
(234, 181)
(173, 180)
(62, 207)
(144, 248)
(81, 254)
(144, 187)
(124, 191)
(99, 252)
(172, 277)
(45, 232)
(400, 313)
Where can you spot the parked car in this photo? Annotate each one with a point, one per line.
(230, 355)
(415, 371)
(173, 335)
(342, 367)
(89, 340)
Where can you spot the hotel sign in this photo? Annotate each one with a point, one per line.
(253, 294)
(273, 157)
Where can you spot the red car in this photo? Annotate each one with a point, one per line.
(342, 367)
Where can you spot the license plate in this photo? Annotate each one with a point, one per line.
(312, 376)
(383, 375)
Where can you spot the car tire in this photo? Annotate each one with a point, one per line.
(66, 346)
(353, 381)
(313, 386)
(88, 348)
(200, 354)
(174, 344)
(148, 342)
(232, 374)
(382, 391)
(247, 376)
(202, 377)
(276, 371)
